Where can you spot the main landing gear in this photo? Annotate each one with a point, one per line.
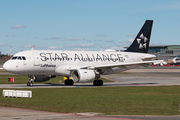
(95, 83)
(69, 82)
(98, 83)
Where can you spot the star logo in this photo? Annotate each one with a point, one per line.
(142, 41)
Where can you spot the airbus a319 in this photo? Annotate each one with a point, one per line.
(81, 66)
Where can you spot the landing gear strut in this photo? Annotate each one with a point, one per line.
(98, 82)
(69, 82)
(31, 79)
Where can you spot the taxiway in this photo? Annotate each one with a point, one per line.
(133, 77)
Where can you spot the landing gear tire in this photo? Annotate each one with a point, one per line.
(29, 84)
(95, 82)
(98, 83)
(69, 82)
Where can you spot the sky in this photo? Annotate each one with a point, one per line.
(88, 25)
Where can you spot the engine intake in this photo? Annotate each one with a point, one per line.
(83, 75)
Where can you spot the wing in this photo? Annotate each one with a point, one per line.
(113, 65)
(127, 64)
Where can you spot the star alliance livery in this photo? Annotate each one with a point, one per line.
(81, 66)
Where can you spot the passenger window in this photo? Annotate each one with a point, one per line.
(23, 58)
(19, 58)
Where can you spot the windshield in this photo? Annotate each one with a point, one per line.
(18, 58)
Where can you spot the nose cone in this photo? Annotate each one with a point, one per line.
(7, 66)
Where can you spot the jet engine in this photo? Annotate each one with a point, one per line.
(83, 75)
(40, 78)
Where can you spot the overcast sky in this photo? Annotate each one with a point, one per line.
(85, 24)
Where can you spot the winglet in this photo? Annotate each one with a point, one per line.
(141, 41)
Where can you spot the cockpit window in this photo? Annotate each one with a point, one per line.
(23, 58)
(15, 57)
(18, 58)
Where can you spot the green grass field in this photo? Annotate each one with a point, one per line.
(161, 100)
(23, 79)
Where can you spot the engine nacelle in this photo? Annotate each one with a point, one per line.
(83, 75)
(40, 78)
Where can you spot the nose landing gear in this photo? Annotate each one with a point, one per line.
(31, 79)
(30, 84)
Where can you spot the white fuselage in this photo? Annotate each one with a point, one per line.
(45, 62)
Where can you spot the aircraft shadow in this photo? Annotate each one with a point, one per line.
(106, 84)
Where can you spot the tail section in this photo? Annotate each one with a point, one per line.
(141, 41)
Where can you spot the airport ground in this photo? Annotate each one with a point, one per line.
(7, 113)
(153, 76)
(143, 76)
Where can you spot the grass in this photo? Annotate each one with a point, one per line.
(23, 79)
(1, 70)
(156, 100)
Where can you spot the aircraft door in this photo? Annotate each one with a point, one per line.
(36, 59)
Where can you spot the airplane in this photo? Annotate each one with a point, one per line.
(169, 62)
(81, 66)
(160, 63)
